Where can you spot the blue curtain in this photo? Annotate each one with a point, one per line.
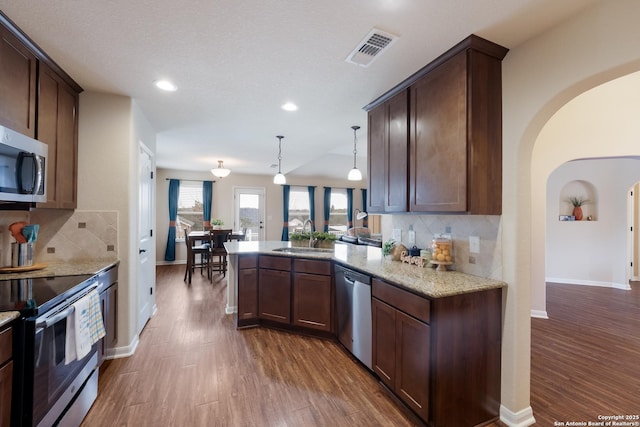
(327, 208)
(365, 222)
(174, 192)
(349, 207)
(312, 206)
(285, 212)
(207, 198)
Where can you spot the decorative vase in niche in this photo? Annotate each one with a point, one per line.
(577, 212)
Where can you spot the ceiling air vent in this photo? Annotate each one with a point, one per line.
(371, 47)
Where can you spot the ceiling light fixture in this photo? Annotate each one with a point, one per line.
(279, 178)
(289, 106)
(355, 174)
(166, 85)
(220, 171)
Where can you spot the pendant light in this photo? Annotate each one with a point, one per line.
(355, 174)
(279, 178)
(220, 171)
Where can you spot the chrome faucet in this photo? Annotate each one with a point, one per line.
(312, 240)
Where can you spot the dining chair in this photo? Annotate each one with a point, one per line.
(218, 260)
(201, 250)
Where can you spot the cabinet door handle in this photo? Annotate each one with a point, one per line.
(141, 251)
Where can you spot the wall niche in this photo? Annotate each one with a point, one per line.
(578, 189)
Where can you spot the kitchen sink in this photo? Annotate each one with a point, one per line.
(301, 250)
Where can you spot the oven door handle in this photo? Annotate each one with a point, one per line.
(52, 320)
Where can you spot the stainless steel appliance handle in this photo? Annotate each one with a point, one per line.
(20, 165)
(52, 320)
(349, 280)
(49, 321)
(38, 177)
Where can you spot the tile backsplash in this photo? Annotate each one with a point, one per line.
(488, 261)
(64, 235)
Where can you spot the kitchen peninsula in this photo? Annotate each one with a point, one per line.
(436, 336)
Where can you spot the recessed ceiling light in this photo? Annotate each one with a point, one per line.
(166, 85)
(289, 106)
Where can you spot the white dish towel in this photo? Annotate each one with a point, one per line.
(84, 327)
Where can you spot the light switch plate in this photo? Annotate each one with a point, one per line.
(474, 244)
(397, 234)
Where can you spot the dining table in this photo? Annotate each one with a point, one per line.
(198, 235)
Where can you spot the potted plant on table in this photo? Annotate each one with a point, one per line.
(217, 223)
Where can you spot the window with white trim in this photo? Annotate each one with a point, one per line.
(190, 207)
(299, 210)
(338, 213)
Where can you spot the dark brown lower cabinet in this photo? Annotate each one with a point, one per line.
(440, 356)
(289, 291)
(109, 309)
(6, 374)
(401, 355)
(274, 295)
(247, 290)
(312, 301)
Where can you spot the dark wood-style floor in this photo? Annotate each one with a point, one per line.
(585, 359)
(193, 368)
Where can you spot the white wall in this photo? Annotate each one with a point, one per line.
(110, 127)
(598, 123)
(223, 201)
(591, 252)
(539, 77)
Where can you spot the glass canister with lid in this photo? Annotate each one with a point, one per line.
(442, 249)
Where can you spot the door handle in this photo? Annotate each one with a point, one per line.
(141, 251)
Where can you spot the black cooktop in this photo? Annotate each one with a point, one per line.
(35, 296)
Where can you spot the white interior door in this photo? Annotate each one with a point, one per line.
(146, 245)
(249, 211)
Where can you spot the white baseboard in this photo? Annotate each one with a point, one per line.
(539, 314)
(523, 418)
(179, 262)
(624, 286)
(125, 351)
(230, 310)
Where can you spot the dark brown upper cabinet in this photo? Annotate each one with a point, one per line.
(40, 100)
(453, 138)
(388, 155)
(17, 84)
(58, 128)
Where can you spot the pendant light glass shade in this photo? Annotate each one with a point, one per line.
(279, 178)
(355, 174)
(220, 171)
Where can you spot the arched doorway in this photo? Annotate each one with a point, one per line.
(539, 77)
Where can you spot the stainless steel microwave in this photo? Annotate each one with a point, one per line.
(23, 162)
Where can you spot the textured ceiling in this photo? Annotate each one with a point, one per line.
(236, 62)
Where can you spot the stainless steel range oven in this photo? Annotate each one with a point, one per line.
(48, 391)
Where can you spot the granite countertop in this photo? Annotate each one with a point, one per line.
(8, 316)
(368, 259)
(71, 268)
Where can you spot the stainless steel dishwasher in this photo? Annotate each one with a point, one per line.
(353, 300)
